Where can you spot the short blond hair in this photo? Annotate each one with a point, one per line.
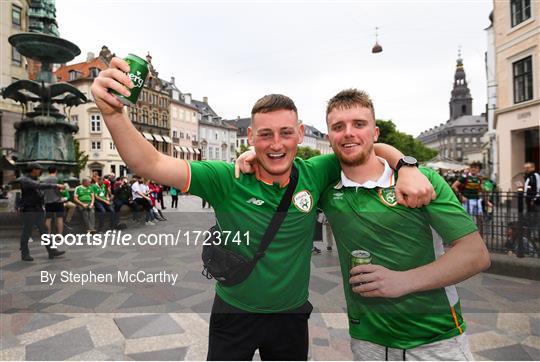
(350, 98)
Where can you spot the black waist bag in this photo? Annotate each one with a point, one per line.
(230, 268)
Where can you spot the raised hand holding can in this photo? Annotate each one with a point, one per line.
(138, 71)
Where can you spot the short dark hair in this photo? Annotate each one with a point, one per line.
(33, 166)
(350, 98)
(52, 169)
(271, 103)
(476, 164)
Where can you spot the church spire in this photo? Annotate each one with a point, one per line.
(461, 100)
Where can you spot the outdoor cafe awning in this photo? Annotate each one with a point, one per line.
(167, 139)
(148, 136)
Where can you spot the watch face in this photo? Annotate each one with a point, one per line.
(410, 160)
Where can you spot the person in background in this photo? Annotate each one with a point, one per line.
(103, 203)
(174, 196)
(468, 189)
(31, 208)
(84, 198)
(54, 207)
(141, 198)
(70, 208)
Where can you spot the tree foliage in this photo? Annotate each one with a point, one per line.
(404, 142)
(307, 152)
(81, 158)
(243, 148)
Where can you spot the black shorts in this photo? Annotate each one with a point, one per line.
(236, 335)
(54, 208)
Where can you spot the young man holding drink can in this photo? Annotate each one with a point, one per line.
(403, 304)
(269, 310)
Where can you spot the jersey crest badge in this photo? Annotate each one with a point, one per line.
(388, 196)
(303, 201)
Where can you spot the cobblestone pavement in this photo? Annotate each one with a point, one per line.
(117, 321)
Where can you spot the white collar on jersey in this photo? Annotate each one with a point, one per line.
(386, 179)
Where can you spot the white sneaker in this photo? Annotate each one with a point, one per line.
(149, 223)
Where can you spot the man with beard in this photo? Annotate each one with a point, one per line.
(403, 305)
(268, 311)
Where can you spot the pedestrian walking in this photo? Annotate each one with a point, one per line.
(31, 207)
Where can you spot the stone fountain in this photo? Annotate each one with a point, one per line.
(44, 134)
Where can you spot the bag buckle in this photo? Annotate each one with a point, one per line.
(206, 274)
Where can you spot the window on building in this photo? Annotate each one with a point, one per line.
(145, 116)
(216, 136)
(217, 153)
(113, 169)
(73, 74)
(95, 123)
(523, 80)
(94, 72)
(164, 120)
(112, 146)
(96, 145)
(520, 11)
(210, 153)
(458, 139)
(194, 138)
(75, 119)
(242, 142)
(188, 136)
(16, 16)
(181, 135)
(133, 114)
(16, 58)
(203, 154)
(175, 133)
(154, 119)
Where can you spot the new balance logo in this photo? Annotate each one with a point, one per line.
(254, 201)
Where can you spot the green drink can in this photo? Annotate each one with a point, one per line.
(138, 70)
(359, 257)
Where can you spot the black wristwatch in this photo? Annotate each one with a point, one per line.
(408, 161)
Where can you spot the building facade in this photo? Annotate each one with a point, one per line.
(151, 115)
(489, 141)
(13, 20)
(217, 137)
(93, 136)
(517, 61)
(242, 125)
(460, 138)
(184, 125)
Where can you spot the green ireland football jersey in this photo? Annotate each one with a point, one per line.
(100, 190)
(84, 193)
(244, 207)
(472, 185)
(398, 238)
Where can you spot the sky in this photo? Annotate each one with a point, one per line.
(235, 52)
